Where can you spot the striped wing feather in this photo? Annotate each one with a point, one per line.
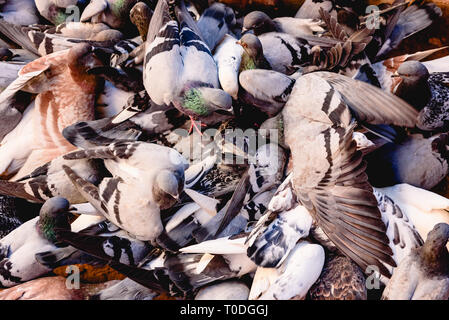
(345, 208)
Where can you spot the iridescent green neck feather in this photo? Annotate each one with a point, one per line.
(247, 63)
(47, 228)
(194, 102)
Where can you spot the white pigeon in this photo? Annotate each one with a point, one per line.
(292, 279)
(18, 248)
(229, 290)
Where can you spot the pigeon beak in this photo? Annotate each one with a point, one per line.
(244, 31)
(73, 210)
(243, 44)
(395, 75)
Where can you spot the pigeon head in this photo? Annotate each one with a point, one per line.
(434, 252)
(267, 90)
(53, 214)
(168, 187)
(84, 57)
(259, 22)
(437, 238)
(413, 71)
(140, 15)
(203, 101)
(253, 48)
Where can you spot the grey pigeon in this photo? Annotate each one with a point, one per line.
(191, 83)
(145, 179)
(18, 248)
(328, 172)
(428, 93)
(424, 273)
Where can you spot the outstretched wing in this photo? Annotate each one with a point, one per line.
(344, 206)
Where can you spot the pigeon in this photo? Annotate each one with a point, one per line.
(428, 93)
(341, 279)
(145, 126)
(19, 12)
(319, 106)
(66, 94)
(423, 274)
(59, 11)
(214, 23)
(261, 23)
(125, 289)
(416, 160)
(385, 70)
(114, 13)
(253, 57)
(209, 261)
(140, 15)
(49, 180)
(267, 90)
(424, 209)
(43, 40)
(111, 244)
(401, 24)
(402, 234)
(286, 222)
(279, 229)
(228, 290)
(233, 57)
(291, 280)
(152, 188)
(191, 83)
(18, 248)
(310, 8)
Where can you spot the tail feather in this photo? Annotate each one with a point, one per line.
(188, 272)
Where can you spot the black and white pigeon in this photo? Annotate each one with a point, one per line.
(416, 160)
(209, 261)
(108, 243)
(424, 273)
(191, 83)
(145, 179)
(50, 181)
(428, 93)
(18, 248)
(259, 22)
(328, 172)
